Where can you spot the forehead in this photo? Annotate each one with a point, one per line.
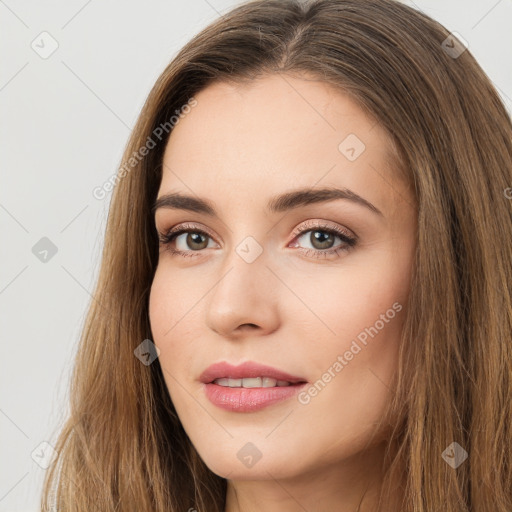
(277, 133)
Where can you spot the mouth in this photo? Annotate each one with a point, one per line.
(248, 387)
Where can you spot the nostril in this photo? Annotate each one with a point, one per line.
(250, 326)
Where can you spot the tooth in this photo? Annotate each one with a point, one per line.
(252, 382)
(268, 382)
(232, 383)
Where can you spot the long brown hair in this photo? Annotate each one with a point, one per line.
(123, 447)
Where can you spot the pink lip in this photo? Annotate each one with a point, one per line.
(247, 369)
(247, 399)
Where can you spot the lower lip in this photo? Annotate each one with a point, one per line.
(249, 399)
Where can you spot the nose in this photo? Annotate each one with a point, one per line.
(244, 300)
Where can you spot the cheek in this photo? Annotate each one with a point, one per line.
(166, 308)
(170, 301)
(175, 319)
(346, 300)
(352, 370)
(159, 303)
(353, 351)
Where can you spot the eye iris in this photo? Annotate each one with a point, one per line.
(324, 239)
(195, 238)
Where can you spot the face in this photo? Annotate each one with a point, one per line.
(312, 284)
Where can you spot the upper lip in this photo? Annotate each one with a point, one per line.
(245, 370)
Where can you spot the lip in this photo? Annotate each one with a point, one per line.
(248, 369)
(247, 399)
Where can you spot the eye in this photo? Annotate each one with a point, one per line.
(322, 239)
(196, 240)
(189, 240)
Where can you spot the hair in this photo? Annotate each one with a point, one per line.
(123, 446)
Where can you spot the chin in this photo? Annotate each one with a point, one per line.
(239, 466)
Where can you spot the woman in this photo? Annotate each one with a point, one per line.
(304, 299)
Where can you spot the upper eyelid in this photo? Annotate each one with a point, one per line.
(311, 224)
(186, 226)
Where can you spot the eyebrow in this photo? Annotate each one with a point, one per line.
(277, 204)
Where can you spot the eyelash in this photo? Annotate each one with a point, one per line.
(166, 239)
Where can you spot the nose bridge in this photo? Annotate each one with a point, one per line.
(243, 293)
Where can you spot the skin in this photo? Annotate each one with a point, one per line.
(237, 148)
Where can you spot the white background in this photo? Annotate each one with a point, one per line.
(64, 123)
